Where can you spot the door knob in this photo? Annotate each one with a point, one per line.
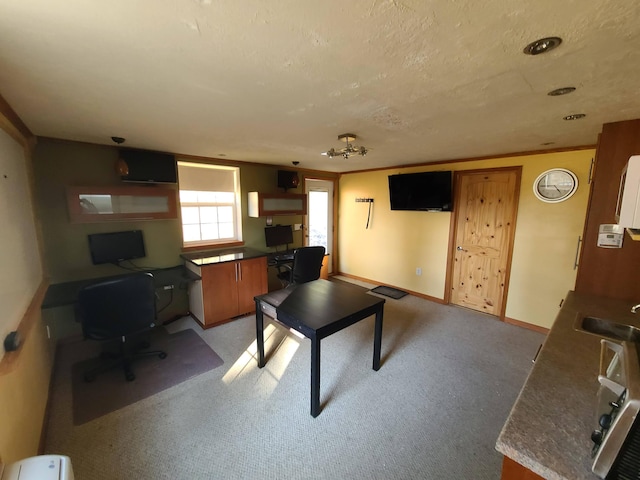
(459, 248)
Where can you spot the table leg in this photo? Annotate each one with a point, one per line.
(260, 334)
(377, 340)
(315, 377)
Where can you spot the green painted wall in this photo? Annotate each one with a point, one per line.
(58, 164)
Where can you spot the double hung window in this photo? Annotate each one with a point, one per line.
(209, 204)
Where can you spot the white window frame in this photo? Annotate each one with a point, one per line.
(236, 205)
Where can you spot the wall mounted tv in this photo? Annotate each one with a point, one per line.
(116, 247)
(288, 179)
(149, 167)
(425, 191)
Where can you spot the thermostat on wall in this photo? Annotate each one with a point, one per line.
(610, 235)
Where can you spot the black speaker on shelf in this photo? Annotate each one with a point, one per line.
(288, 179)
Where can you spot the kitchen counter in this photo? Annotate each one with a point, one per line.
(549, 428)
(211, 257)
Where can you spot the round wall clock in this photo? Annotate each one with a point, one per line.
(555, 185)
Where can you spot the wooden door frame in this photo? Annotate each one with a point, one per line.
(517, 169)
(335, 180)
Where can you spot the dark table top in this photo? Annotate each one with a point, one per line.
(210, 257)
(66, 293)
(321, 307)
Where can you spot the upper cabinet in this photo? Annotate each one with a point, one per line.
(268, 204)
(106, 204)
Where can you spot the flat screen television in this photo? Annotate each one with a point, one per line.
(149, 167)
(288, 179)
(425, 191)
(115, 247)
(278, 235)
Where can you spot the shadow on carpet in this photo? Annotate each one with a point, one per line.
(389, 292)
(187, 356)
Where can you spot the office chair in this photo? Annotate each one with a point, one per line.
(120, 309)
(307, 262)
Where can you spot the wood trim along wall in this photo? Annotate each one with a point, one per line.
(209, 160)
(528, 326)
(10, 360)
(415, 294)
(474, 159)
(11, 123)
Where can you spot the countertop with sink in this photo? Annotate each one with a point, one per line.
(549, 428)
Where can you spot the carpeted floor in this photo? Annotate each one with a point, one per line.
(187, 356)
(433, 411)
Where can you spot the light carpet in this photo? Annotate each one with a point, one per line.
(448, 379)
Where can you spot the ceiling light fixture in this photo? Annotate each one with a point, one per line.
(574, 116)
(347, 151)
(561, 91)
(542, 46)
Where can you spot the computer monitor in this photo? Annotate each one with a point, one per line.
(115, 247)
(278, 235)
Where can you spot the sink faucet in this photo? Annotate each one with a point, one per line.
(634, 308)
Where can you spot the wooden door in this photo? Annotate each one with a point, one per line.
(484, 225)
(220, 292)
(252, 281)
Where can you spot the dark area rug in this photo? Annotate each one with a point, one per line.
(187, 356)
(389, 292)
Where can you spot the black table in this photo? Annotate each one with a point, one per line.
(318, 309)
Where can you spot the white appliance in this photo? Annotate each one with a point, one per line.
(628, 207)
(42, 467)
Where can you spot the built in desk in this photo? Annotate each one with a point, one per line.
(66, 293)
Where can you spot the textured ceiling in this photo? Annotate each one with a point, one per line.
(277, 81)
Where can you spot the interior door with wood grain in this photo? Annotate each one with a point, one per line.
(485, 215)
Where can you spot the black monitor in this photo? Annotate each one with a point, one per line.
(278, 235)
(115, 247)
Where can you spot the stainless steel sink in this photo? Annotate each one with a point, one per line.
(607, 329)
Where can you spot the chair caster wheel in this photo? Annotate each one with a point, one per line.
(129, 376)
(162, 355)
(88, 378)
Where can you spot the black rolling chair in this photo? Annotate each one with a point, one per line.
(307, 262)
(120, 309)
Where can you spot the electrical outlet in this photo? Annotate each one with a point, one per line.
(418, 271)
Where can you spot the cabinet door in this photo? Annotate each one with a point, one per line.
(252, 281)
(220, 292)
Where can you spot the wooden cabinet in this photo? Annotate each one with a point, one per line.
(610, 272)
(226, 289)
(106, 204)
(512, 470)
(268, 204)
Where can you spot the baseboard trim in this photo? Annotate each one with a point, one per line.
(415, 294)
(528, 326)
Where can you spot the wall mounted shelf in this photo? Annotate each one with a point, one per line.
(118, 203)
(269, 204)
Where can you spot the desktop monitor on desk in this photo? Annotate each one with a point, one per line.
(278, 235)
(115, 247)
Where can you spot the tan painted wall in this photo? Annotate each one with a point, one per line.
(24, 375)
(398, 242)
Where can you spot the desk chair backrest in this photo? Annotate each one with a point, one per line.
(307, 263)
(117, 307)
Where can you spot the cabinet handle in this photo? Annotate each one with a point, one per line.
(236, 265)
(575, 262)
(240, 271)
